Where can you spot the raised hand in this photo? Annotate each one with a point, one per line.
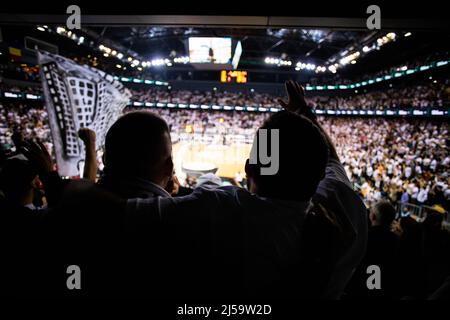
(297, 104)
(87, 136)
(296, 99)
(90, 166)
(38, 155)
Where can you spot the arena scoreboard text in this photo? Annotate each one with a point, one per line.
(234, 76)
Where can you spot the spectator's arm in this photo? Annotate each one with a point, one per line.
(90, 164)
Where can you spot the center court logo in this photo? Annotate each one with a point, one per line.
(259, 152)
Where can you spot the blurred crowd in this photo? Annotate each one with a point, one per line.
(426, 95)
(421, 96)
(23, 120)
(222, 98)
(400, 160)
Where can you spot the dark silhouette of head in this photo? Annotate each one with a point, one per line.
(433, 221)
(303, 156)
(18, 179)
(138, 145)
(382, 214)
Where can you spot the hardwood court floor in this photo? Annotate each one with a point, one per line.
(229, 159)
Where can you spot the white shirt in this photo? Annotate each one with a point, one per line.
(418, 170)
(423, 195)
(369, 170)
(408, 172)
(433, 165)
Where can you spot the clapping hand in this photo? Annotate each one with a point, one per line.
(296, 100)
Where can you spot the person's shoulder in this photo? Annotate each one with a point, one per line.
(336, 171)
(339, 191)
(206, 190)
(333, 182)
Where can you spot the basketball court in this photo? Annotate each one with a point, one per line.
(229, 159)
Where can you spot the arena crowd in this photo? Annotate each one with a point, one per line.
(403, 160)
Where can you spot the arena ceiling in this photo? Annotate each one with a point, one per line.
(320, 34)
(318, 45)
(322, 46)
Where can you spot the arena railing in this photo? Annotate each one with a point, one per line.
(420, 212)
(408, 112)
(398, 112)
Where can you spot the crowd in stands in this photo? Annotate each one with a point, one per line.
(222, 98)
(403, 160)
(436, 95)
(400, 160)
(27, 120)
(421, 96)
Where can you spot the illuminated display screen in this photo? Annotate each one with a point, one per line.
(209, 50)
(234, 76)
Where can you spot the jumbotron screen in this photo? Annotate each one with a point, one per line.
(209, 50)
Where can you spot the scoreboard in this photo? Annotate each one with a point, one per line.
(234, 76)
